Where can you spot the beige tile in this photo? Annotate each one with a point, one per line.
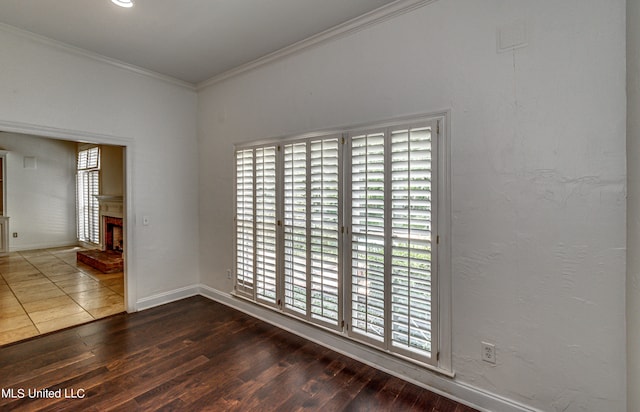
(108, 276)
(89, 270)
(107, 311)
(119, 289)
(68, 257)
(59, 269)
(35, 295)
(22, 288)
(18, 270)
(91, 295)
(34, 253)
(11, 255)
(31, 291)
(31, 282)
(112, 282)
(15, 335)
(43, 260)
(57, 312)
(64, 322)
(11, 260)
(11, 310)
(82, 286)
(77, 276)
(102, 301)
(49, 303)
(8, 299)
(14, 322)
(11, 263)
(64, 249)
(19, 276)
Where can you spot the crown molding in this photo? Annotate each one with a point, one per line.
(347, 28)
(93, 56)
(8, 126)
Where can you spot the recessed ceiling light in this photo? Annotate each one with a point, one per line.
(123, 3)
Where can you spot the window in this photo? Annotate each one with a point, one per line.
(312, 226)
(87, 188)
(392, 244)
(341, 231)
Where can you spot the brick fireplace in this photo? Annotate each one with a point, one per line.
(113, 239)
(109, 259)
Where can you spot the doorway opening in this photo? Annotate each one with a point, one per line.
(45, 285)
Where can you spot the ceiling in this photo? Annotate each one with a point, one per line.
(190, 40)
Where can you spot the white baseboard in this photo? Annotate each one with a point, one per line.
(45, 245)
(167, 297)
(435, 382)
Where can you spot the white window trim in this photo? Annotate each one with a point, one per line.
(442, 288)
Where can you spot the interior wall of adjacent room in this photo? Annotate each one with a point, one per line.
(40, 200)
(538, 175)
(112, 170)
(46, 84)
(633, 205)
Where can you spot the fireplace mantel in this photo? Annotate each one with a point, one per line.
(110, 205)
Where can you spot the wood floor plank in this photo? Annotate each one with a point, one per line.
(198, 355)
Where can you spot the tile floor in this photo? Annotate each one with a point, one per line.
(46, 290)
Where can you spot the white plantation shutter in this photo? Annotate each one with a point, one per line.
(295, 228)
(266, 223)
(298, 244)
(93, 215)
(367, 236)
(83, 156)
(244, 221)
(324, 221)
(93, 158)
(87, 188)
(89, 158)
(411, 240)
(391, 246)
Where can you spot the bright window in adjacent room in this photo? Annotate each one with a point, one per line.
(346, 231)
(87, 188)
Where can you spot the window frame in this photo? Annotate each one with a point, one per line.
(441, 359)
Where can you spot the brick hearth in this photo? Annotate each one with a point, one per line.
(104, 261)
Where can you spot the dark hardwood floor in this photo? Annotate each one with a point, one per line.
(193, 355)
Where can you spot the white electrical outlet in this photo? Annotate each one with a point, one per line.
(489, 352)
(228, 273)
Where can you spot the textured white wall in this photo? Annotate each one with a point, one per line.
(633, 205)
(538, 157)
(44, 85)
(41, 201)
